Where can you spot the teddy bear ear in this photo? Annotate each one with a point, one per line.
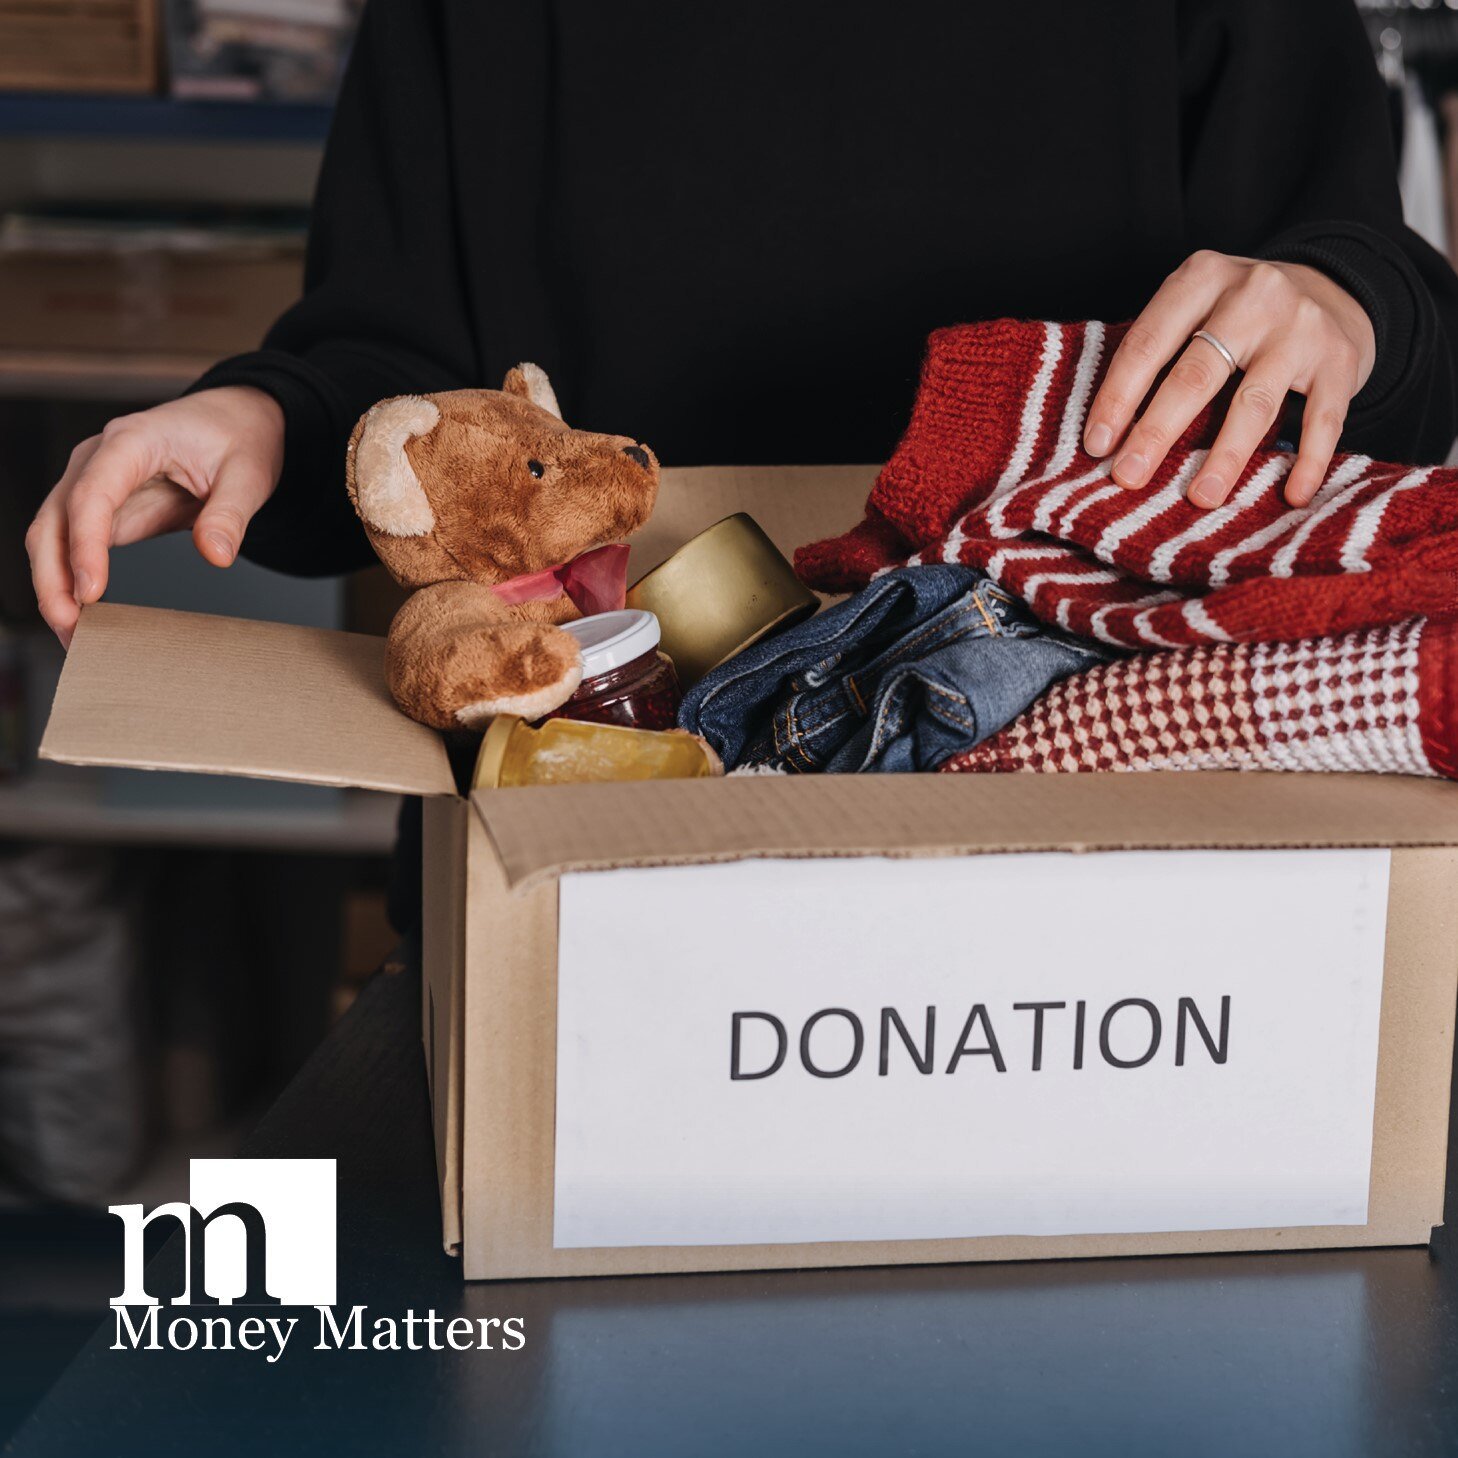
(386, 491)
(531, 383)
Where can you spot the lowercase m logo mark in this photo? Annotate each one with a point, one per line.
(256, 1232)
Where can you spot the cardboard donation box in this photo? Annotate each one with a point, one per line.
(778, 1021)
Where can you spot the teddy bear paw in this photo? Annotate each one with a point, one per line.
(526, 669)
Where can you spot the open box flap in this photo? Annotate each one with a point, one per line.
(150, 688)
(545, 831)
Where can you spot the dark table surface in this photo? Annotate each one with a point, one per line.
(1328, 1353)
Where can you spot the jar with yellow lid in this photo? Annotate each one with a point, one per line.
(573, 752)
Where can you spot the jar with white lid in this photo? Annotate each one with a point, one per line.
(625, 679)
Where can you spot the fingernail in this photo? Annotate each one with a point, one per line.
(1208, 491)
(220, 544)
(1100, 438)
(1131, 470)
(84, 583)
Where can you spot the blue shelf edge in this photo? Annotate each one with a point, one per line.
(45, 114)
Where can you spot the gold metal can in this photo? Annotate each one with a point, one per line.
(572, 752)
(721, 591)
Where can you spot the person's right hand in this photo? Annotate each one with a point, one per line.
(207, 461)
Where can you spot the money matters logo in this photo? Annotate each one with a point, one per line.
(258, 1236)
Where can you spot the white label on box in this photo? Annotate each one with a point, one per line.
(873, 1049)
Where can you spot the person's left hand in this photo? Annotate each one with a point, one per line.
(1288, 327)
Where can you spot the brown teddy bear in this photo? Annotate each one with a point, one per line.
(501, 519)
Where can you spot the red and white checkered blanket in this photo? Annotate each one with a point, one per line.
(1384, 699)
(992, 473)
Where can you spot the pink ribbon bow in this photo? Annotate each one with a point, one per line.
(597, 581)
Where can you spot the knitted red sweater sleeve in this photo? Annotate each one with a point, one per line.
(992, 473)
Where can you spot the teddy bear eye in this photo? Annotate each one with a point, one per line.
(537, 469)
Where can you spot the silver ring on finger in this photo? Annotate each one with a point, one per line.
(1218, 347)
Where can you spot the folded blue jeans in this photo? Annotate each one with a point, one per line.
(923, 663)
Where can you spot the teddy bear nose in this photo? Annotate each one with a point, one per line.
(638, 454)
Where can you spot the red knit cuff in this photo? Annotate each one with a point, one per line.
(1437, 689)
(848, 562)
(989, 403)
(964, 425)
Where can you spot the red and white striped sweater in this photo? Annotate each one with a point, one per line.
(992, 473)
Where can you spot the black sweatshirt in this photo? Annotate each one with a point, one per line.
(727, 230)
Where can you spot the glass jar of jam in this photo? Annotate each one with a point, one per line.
(625, 679)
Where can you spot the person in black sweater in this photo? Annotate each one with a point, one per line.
(728, 230)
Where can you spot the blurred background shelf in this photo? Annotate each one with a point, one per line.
(74, 375)
(171, 948)
(119, 118)
(68, 805)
